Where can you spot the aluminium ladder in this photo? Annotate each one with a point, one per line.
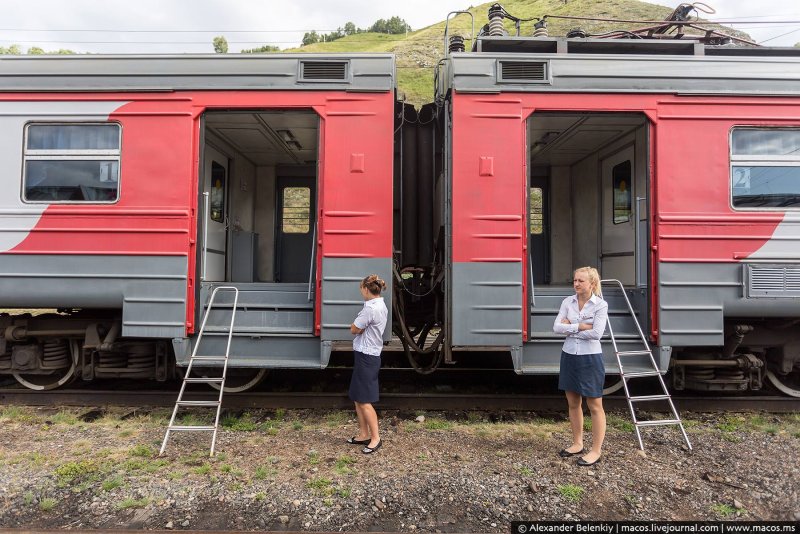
(220, 381)
(624, 376)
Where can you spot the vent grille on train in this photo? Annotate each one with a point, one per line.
(523, 71)
(772, 281)
(314, 71)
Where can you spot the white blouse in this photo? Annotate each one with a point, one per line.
(595, 311)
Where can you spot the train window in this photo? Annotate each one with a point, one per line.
(217, 207)
(71, 163)
(537, 213)
(621, 176)
(296, 210)
(765, 168)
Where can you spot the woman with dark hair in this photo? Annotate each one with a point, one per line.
(368, 327)
(582, 318)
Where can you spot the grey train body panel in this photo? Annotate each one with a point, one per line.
(341, 298)
(150, 290)
(350, 72)
(613, 68)
(257, 352)
(487, 304)
(695, 299)
(541, 354)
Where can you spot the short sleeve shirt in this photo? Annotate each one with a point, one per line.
(372, 319)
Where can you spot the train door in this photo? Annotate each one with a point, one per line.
(215, 214)
(539, 216)
(617, 217)
(295, 229)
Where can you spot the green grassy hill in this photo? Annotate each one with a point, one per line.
(418, 52)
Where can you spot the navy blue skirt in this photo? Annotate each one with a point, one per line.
(582, 373)
(364, 383)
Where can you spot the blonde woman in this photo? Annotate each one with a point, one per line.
(582, 318)
(368, 328)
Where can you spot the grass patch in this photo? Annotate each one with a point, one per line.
(297, 425)
(47, 504)
(141, 451)
(70, 472)
(15, 414)
(65, 418)
(144, 464)
(260, 496)
(313, 458)
(731, 423)
(321, 486)
(725, 510)
(571, 492)
(202, 470)
(437, 424)
(28, 498)
(335, 419)
(619, 423)
(243, 423)
(130, 502)
(344, 492)
(525, 471)
(342, 466)
(111, 483)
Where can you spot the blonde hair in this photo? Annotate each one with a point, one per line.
(373, 284)
(594, 279)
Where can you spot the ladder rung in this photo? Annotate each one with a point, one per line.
(178, 428)
(649, 398)
(633, 352)
(197, 403)
(640, 374)
(659, 422)
(203, 380)
(210, 358)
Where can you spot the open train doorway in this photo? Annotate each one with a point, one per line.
(588, 193)
(258, 200)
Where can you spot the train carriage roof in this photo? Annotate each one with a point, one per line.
(348, 72)
(527, 64)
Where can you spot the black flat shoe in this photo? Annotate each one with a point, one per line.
(354, 441)
(583, 463)
(564, 453)
(370, 450)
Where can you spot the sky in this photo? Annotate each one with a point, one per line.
(188, 26)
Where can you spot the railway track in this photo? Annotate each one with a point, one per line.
(389, 401)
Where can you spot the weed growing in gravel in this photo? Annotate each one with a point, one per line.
(202, 470)
(344, 492)
(243, 423)
(260, 496)
(15, 414)
(297, 425)
(342, 466)
(335, 419)
(125, 433)
(71, 471)
(587, 424)
(725, 510)
(525, 471)
(438, 424)
(111, 483)
(36, 458)
(731, 423)
(320, 486)
(264, 472)
(619, 422)
(65, 418)
(571, 492)
(47, 504)
(141, 451)
(27, 499)
(130, 502)
(313, 457)
(144, 464)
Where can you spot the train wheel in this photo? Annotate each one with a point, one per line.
(55, 352)
(238, 380)
(789, 384)
(241, 380)
(46, 382)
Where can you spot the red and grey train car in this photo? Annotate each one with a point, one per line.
(132, 186)
(673, 166)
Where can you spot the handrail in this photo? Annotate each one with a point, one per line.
(203, 259)
(630, 309)
(313, 258)
(447, 24)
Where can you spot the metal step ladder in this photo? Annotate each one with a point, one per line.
(675, 420)
(188, 379)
